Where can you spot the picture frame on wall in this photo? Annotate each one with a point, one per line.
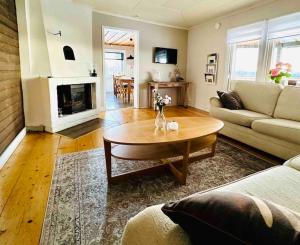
(211, 68)
(212, 58)
(210, 79)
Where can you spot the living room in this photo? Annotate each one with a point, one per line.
(204, 150)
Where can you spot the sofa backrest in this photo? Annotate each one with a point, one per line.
(288, 105)
(258, 97)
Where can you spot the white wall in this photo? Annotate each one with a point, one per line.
(204, 39)
(34, 59)
(75, 22)
(150, 36)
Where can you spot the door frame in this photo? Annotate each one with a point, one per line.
(136, 100)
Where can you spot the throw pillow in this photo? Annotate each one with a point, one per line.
(230, 100)
(221, 217)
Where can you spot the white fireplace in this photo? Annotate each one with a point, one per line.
(45, 65)
(52, 118)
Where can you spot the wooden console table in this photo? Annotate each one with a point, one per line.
(182, 98)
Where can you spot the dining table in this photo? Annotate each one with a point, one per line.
(129, 81)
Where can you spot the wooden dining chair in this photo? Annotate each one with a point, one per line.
(122, 89)
(115, 85)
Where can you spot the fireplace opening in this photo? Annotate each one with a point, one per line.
(74, 98)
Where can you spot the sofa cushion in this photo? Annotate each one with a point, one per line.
(240, 117)
(230, 100)
(234, 218)
(288, 105)
(279, 128)
(258, 97)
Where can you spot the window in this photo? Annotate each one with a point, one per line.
(245, 46)
(114, 56)
(244, 60)
(114, 63)
(255, 49)
(287, 50)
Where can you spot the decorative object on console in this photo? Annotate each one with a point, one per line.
(211, 69)
(155, 76)
(160, 102)
(280, 73)
(230, 100)
(178, 76)
(244, 219)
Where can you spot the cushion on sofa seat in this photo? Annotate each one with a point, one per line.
(152, 226)
(279, 128)
(240, 117)
(234, 218)
(279, 185)
(258, 97)
(293, 163)
(288, 105)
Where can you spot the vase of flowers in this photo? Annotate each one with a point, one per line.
(160, 102)
(280, 72)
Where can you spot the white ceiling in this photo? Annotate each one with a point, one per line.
(118, 37)
(180, 13)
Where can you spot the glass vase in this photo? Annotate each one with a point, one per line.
(160, 121)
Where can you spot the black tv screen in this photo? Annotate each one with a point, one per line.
(165, 56)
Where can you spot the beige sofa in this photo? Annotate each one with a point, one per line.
(270, 121)
(278, 184)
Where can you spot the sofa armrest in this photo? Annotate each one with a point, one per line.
(293, 162)
(215, 102)
(152, 226)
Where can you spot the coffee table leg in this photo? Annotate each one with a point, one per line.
(185, 160)
(107, 149)
(181, 174)
(213, 147)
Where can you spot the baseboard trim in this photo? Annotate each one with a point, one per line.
(12, 147)
(194, 109)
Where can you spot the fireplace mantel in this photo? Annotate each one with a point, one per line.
(48, 114)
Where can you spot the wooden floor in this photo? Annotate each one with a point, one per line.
(26, 177)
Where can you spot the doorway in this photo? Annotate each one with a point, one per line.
(120, 72)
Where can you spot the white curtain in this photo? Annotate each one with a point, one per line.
(246, 33)
(284, 26)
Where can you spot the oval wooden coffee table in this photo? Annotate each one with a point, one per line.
(142, 141)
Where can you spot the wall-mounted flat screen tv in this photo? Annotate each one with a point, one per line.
(165, 56)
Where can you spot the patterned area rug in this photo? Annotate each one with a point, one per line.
(82, 209)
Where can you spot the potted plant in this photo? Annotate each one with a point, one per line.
(280, 72)
(160, 102)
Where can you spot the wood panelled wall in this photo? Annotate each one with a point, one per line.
(11, 106)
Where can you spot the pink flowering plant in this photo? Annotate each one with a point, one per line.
(281, 70)
(160, 101)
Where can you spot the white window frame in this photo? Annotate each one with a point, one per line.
(265, 31)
